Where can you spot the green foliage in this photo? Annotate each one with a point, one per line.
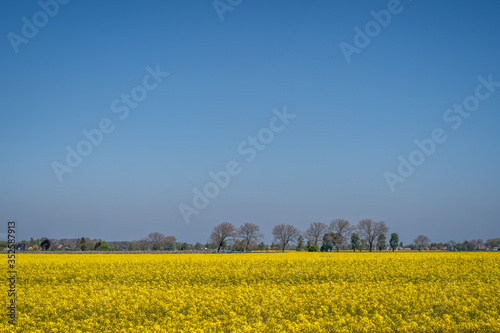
(103, 246)
(381, 242)
(182, 246)
(337, 241)
(494, 242)
(393, 242)
(328, 242)
(84, 244)
(169, 243)
(355, 242)
(313, 248)
(170, 246)
(300, 243)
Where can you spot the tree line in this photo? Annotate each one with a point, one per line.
(367, 234)
(339, 234)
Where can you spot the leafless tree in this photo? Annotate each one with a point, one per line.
(249, 233)
(315, 232)
(369, 230)
(284, 234)
(342, 230)
(222, 234)
(155, 240)
(169, 243)
(476, 244)
(140, 245)
(422, 241)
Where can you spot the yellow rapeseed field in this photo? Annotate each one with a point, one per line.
(257, 292)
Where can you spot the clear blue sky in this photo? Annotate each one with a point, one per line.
(353, 120)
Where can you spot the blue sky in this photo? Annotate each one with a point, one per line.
(353, 120)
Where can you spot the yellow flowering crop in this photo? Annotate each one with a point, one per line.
(257, 292)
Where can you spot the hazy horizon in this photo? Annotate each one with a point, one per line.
(114, 116)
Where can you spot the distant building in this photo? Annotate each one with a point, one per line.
(20, 247)
(481, 246)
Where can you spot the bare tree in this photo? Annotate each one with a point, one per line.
(249, 233)
(141, 244)
(369, 230)
(222, 234)
(155, 240)
(315, 232)
(169, 243)
(476, 244)
(285, 234)
(342, 230)
(422, 241)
